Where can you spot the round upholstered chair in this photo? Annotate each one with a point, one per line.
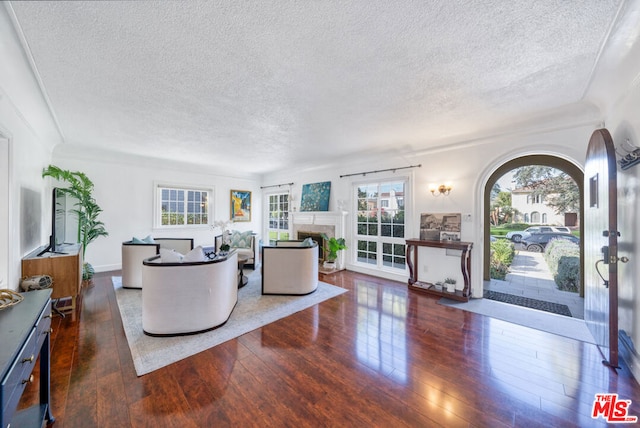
(290, 268)
(135, 251)
(188, 297)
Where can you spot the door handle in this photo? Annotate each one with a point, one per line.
(604, 281)
(608, 259)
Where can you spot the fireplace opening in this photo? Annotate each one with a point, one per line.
(302, 235)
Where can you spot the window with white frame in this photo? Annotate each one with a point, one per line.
(278, 228)
(380, 224)
(182, 206)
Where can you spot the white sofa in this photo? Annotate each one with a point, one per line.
(134, 253)
(289, 268)
(250, 251)
(189, 297)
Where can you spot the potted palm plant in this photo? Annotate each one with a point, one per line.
(331, 247)
(89, 227)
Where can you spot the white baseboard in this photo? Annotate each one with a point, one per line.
(107, 268)
(380, 274)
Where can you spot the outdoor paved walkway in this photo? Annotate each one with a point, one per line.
(530, 277)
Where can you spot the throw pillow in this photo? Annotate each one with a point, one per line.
(195, 255)
(308, 242)
(170, 256)
(241, 239)
(147, 240)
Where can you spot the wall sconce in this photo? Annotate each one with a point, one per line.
(443, 189)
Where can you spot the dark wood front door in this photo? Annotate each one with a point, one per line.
(601, 245)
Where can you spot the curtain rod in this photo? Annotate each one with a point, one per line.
(381, 170)
(277, 185)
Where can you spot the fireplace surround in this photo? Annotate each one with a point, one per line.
(331, 223)
(316, 236)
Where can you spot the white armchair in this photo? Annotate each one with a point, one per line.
(243, 246)
(290, 268)
(134, 253)
(189, 297)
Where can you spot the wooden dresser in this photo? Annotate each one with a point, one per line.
(24, 335)
(64, 269)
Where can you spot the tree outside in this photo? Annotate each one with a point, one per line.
(551, 186)
(558, 190)
(501, 211)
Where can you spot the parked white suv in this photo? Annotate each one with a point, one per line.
(518, 235)
(562, 229)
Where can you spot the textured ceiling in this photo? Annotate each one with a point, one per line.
(273, 83)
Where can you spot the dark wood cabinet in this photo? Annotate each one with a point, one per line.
(24, 336)
(426, 287)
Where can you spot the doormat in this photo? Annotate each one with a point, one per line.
(541, 305)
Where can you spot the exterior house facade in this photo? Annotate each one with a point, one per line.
(533, 209)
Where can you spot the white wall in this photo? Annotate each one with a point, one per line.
(31, 132)
(4, 211)
(623, 122)
(466, 165)
(125, 191)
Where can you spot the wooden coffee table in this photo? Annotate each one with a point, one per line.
(242, 280)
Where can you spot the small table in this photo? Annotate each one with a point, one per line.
(465, 267)
(242, 280)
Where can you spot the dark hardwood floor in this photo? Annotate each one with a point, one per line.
(378, 355)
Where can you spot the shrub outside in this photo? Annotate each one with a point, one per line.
(563, 259)
(502, 254)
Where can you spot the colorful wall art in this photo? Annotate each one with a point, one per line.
(315, 196)
(240, 205)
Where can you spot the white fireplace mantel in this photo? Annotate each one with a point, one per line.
(322, 218)
(333, 223)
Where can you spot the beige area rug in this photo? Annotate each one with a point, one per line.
(252, 311)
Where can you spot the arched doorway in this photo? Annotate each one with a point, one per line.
(545, 160)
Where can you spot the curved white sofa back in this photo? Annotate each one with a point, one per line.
(188, 298)
(289, 268)
(134, 254)
(181, 245)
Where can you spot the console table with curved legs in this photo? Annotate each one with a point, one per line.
(426, 287)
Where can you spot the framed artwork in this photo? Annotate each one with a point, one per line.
(440, 226)
(315, 196)
(240, 205)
